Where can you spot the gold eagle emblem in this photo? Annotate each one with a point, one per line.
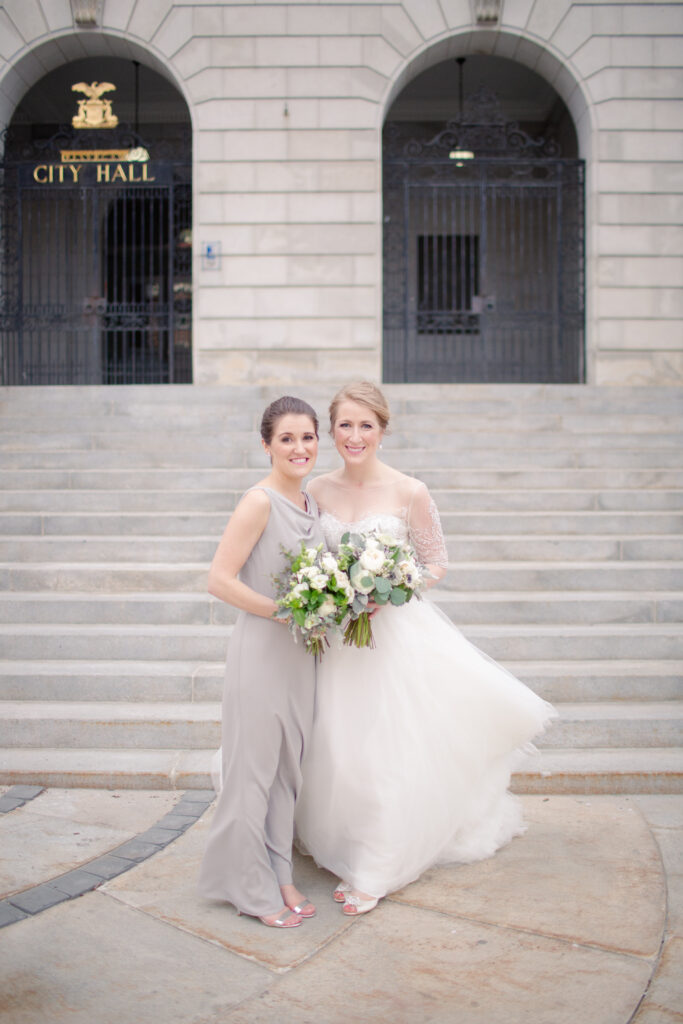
(94, 112)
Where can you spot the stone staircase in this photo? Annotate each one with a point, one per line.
(562, 507)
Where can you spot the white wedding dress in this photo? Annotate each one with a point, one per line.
(414, 741)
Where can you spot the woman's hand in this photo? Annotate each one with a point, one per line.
(372, 608)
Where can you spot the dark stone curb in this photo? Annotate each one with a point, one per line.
(17, 796)
(122, 858)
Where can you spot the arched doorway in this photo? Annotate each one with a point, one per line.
(483, 228)
(95, 232)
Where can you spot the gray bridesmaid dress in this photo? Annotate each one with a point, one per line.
(267, 719)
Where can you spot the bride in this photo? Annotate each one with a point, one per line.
(414, 742)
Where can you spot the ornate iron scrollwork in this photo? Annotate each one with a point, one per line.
(482, 129)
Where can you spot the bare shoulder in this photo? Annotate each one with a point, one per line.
(414, 490)
(315, 486)
(255, 504)
(408, 486)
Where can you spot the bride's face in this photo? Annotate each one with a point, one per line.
(357, 433)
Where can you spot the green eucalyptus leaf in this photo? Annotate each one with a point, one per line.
(398, 596)
(382, 586)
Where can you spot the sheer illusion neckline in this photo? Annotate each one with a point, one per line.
(399, 516)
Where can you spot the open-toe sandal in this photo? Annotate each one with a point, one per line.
(354, 905)
(304, 909)
(282, 920)
(339, 894)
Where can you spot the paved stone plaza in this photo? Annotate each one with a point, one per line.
(579, 921)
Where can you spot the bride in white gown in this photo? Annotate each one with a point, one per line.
(414, 741)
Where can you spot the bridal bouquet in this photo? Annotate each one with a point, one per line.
(381, 569)
(314, 594)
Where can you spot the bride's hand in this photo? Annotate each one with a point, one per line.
(372, 608)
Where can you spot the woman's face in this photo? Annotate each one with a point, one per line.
(293, 447)
(357, 433)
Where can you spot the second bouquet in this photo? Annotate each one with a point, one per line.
(313, 595)
(381, 570)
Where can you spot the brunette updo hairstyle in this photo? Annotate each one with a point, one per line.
(283, 407)
(364, 393)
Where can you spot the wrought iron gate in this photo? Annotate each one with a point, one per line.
(483, 257)
(95, 279)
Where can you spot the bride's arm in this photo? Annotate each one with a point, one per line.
(243, 531)
(425, 533)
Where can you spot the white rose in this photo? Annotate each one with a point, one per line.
(328, 607)
(387, 540)
(358, 572)
(300, 589)
(319, 581)
(329, 562)
(372, 559)
(409, 570)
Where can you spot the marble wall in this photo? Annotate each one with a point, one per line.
(287, 101)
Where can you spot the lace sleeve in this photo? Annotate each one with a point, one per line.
(424, 528)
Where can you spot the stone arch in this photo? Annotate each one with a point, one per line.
(24, 71)
(515, 46)
(110, 216)
(452, 308)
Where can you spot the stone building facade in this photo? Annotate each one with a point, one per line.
(287, 102)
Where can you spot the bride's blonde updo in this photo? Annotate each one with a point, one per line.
(366, 394)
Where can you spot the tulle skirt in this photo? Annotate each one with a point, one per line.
(412, 749)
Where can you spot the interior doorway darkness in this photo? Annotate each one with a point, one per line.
(95, 234)
(483, 230)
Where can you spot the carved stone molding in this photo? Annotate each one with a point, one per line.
(87, 13)
(487, 13)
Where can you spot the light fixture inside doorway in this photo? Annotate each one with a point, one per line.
(459, 155)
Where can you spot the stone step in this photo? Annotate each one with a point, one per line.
(240, 478)
(110, 725)
(587, 681)
(103, 577)
(208, 643)
(602, 770)
(615, 724)
(463, 577)
(563, 576)
(198, 725)
(114, 609)
(569, 608)
(563, 507)
(249, 454)
(463, 608)
(191, 502)
(175, 681)
(446, 433)
(180, 524)
(177, 550)
(495, 401)
(639, 770)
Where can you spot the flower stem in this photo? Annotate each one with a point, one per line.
(358, 632)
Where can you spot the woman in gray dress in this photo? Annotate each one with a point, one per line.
(269, 683)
